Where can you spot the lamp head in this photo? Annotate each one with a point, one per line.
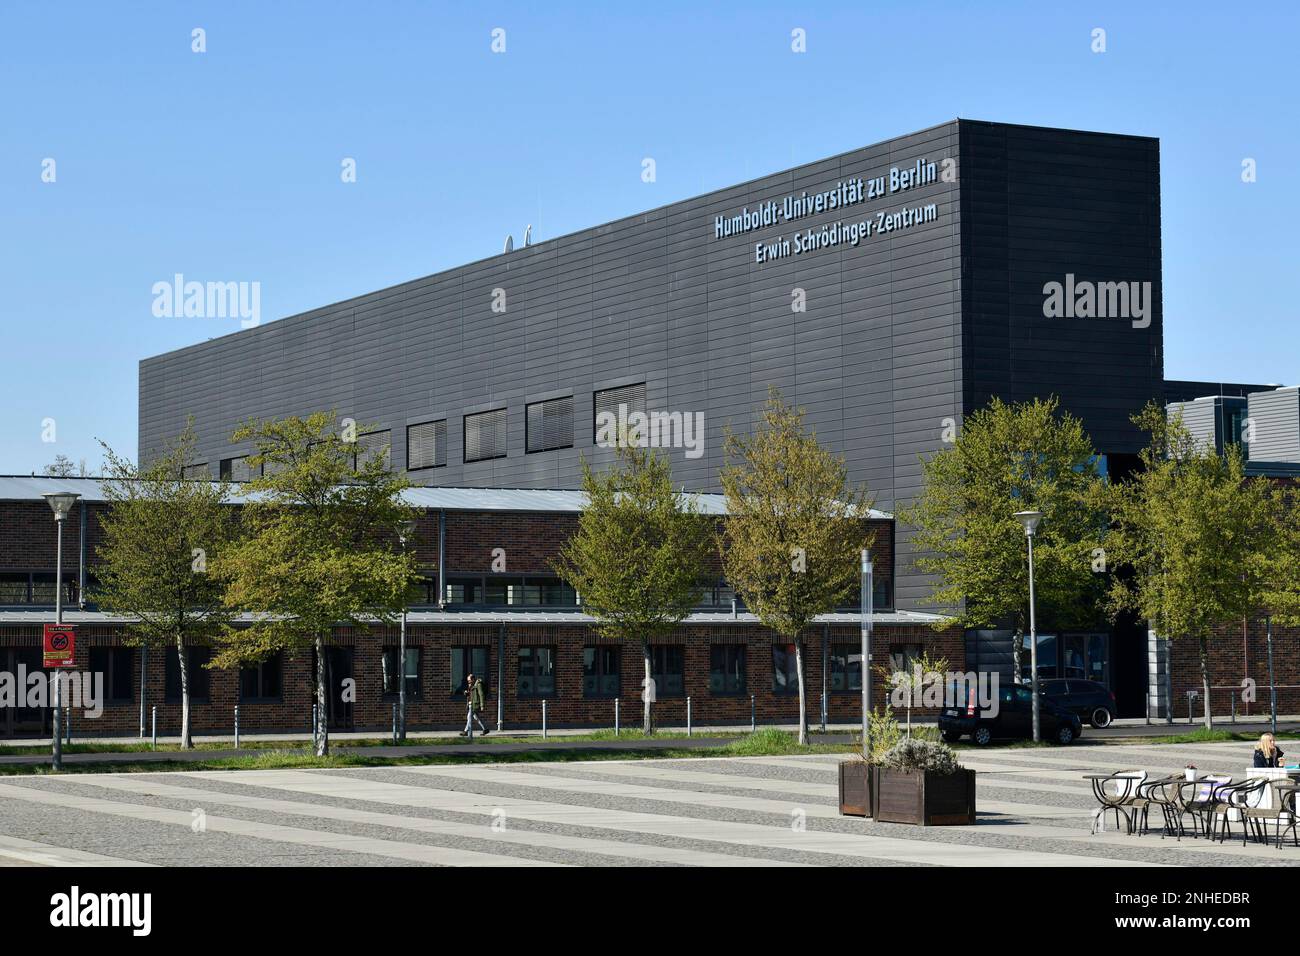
(1030, 520)
(61, 502)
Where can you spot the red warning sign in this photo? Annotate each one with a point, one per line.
(60, 645)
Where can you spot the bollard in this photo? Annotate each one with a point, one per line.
(752, 723)
(469, 723)
(155, 726)
(688, 716)
(67, 724)
(1234, 706)
(315, 726)
(823, 711)
(394, 724)
(543, 718)
(615, 716)
(236, 726)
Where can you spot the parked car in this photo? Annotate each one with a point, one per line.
(1086, 698)
(1014, 719)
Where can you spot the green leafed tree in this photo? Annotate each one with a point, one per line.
(639, 553)
(1193, 528)
(1010, 458)
(319, 548)
(1280, 561)
(795, 529)
(160, 534)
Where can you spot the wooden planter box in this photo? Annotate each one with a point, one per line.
(927, 799)
(857, 783)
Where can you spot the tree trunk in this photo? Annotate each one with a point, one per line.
(183, 656)
(1017, 648)
(321, 735)
(1205, 683)
(803, 699)
(645, 693)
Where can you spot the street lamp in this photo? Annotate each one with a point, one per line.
(405, 531)
(61, 503)
(1030, 520)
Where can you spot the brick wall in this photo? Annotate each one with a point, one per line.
(437, 707)
(1236, 652)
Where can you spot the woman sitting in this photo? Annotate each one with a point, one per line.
(1268, 753)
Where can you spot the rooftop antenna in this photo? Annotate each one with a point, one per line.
(528, 235)
(510, 244)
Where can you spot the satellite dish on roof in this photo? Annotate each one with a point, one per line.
(510, 244)
(528, 235)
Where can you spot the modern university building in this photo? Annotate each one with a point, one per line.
(889, 291)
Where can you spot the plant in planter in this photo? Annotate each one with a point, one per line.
(921, 782)
(857, 774)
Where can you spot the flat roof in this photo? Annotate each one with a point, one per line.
(31, 487)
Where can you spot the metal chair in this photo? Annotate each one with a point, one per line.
(1198, 802)
(1116, 794)
(1234, 800)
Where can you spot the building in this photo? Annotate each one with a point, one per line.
(523, 630)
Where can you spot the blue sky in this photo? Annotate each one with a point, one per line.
(225, 165)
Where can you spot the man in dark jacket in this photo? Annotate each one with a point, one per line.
(474, 699)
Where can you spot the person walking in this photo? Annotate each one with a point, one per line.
(474, 701)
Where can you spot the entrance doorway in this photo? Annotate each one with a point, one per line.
(338, 668)
(22, 721)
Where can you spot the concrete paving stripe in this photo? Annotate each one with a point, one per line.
(682, 775)
(1193, 847)
(267, 831)
(686, 828)
(424, 825)
(46, 854)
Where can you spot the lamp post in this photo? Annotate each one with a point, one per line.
(405, 531)
(865, 665)
(61, 503)
(1030, 520)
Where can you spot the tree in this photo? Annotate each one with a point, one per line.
(1280, 561)
(159, 534)
(795, 528)
(910, 685)
(319, 548)
(1192, 527)
(1011, 458)
(65, 467)
(639, 553)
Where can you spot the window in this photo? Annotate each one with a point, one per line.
(727, 669)
(536, 672)
(196, 471)
(199, 675)
(881, 596)
(388, 665)
(600, 671)
(262, 681)
(485, 435)
(465, 661)
(612, 408)
(464, 591)
(785, 669)
(35, 587)
(426, 445)
(846, 667)
(117, 666)
(901, 656)
(236, 469)
(370, 446)
(668, 670)
(549, 424)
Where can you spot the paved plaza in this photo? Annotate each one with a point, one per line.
(1034, 810)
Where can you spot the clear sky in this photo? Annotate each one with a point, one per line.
(226, 165)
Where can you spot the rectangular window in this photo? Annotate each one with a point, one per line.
(485, 435)
(503, 592)
(668, 670)
(117, 666)
(236, 469)
(262, 681)
(612, 406)
(199, 675)
(727, 669)
(388, 665)
(536, 672)
(600, 671)
(846, 667)
(785, 670)
(466, 661)
(549, 424)
(196, 471)
(372, 445)
(426, 445)
(464, 591)
(14, 587)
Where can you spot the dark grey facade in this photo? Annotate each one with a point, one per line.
(937, 308)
